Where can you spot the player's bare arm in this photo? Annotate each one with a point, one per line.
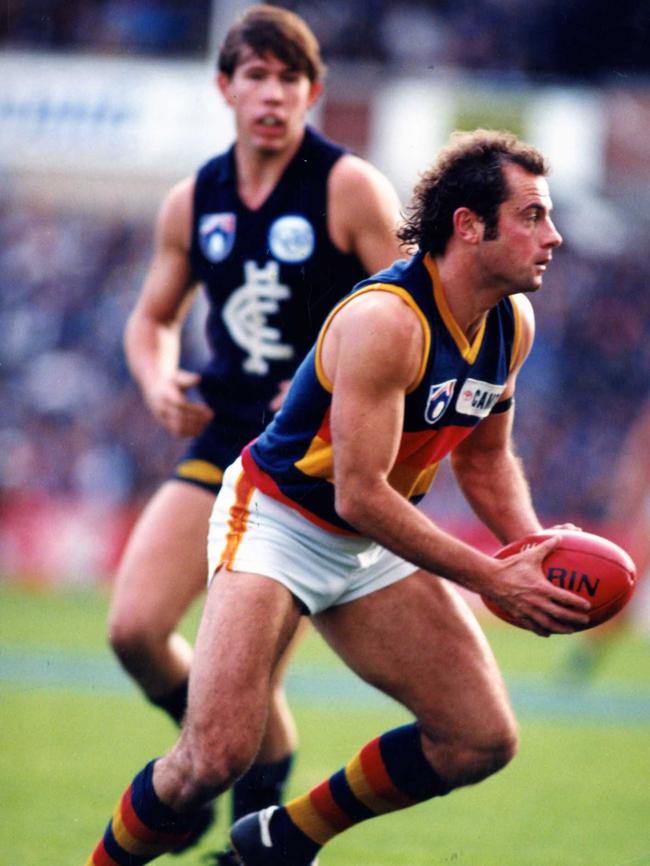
(364, 212)
(153, 333)
(370, 380)
(372, 355)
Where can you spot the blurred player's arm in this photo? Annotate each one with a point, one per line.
(363, 213)
(152, 338)
(488, 471)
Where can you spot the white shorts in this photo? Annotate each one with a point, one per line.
(253, 533)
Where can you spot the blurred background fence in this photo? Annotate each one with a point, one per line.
(103, 105)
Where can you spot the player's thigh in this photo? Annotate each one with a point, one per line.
(164, 567)
(418, 641)
(247, 623)
(290, 651)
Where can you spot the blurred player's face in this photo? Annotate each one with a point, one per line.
(270, 101)
(526, 237)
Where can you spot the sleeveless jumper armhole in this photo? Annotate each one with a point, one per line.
(375, 287)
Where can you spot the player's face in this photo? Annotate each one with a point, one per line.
(523, 248)
(270, 101)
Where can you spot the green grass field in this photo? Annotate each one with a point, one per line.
(74, 731)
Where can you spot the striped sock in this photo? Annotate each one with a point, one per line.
(388, 774)
(142, 827)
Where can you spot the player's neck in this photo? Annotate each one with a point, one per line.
(468, 302)
(258, 172)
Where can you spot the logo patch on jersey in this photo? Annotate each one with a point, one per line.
(246, 313)
(291, 239)
(478, 398)
(438, 400)
(217, 235)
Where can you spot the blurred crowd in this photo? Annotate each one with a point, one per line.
(73, 423)
(148, 27)
(545, 38)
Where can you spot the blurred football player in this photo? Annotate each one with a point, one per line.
(277, 229)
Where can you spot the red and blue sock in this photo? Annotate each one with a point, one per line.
(142, 827)
(389, 773)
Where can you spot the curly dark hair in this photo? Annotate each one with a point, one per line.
(468, 172)
(276, 31)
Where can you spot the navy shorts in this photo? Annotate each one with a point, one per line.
(210, 453)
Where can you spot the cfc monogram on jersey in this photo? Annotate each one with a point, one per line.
(246, 314)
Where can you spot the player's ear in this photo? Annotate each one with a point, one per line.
(224, 83)
(468, 226)
(315, 90)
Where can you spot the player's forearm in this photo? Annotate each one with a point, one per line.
(496, 488)
(152, 350)
(383, 515)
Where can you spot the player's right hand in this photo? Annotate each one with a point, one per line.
(521, 589)
(175, 411)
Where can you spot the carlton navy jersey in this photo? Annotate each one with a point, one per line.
(458, 385)
(271, 276)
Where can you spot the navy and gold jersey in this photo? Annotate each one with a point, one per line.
(457, 386)
(271, 277)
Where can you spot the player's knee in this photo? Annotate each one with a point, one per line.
(501, 749)
(128, 638)
(491, 754)
(469, 760)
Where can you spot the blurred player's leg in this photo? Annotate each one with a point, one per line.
(228, 700)
(164, 569)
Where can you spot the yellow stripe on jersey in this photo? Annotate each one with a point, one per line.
(200, 470)
(411, 480)
(469, 352)
(318, 462)
(516, 337)
(376, 287)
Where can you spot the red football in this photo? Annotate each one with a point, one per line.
(587, 564)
